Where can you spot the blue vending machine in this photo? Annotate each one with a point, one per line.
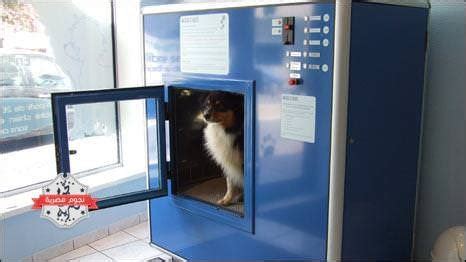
(331, 102)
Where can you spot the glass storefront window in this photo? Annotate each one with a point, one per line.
(46, 47)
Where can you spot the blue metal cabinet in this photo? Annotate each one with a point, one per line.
(290, 178)
(289, 188)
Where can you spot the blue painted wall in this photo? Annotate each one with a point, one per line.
(25, 234)
(442, 194)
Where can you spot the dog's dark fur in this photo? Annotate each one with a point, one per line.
(223, 102)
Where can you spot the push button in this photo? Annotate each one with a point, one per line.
(326, 29)
(326, 17)
(293, 81)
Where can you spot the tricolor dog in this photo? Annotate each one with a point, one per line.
(223, 136)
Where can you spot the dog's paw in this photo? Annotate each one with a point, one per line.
(239, 198)
(225, 201)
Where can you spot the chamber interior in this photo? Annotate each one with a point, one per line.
(196, 174)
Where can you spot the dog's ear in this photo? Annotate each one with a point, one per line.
(201, 97)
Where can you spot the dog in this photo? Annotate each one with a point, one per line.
(224, 139)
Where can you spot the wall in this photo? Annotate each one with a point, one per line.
(25, 234)
(442, 194)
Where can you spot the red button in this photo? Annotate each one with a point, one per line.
(287, 27)
(292, 81)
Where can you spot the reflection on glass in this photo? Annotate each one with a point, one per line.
(45, 47)
(92, 136)
(93, 142)
(152, 143)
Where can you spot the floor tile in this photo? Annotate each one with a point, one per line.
(90, 237)
(54, 251)
(96, 257)
(161, 258)
(111, 241)
(140, 231)
(143, 217)
(27, 259)
(80, 252)
(134, 251)
(123, 224)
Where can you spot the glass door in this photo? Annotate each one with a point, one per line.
(118, 137)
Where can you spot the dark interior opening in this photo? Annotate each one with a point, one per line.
(195, 174)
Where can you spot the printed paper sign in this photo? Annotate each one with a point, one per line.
(64, 201)
(298, 117)
(204, 44)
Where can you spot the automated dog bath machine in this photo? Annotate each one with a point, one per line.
(332, 100)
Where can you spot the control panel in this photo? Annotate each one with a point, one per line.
(307, 43)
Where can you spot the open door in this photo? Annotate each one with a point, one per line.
(123, 103)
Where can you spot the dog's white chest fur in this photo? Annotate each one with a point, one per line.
(221, 147)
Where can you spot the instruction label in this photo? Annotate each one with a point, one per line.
(204, 44)
(298, 117)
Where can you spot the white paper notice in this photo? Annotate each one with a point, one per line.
(298, 118)
(204, 44)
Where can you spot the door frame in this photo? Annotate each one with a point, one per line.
(61, 100)
(246, 88)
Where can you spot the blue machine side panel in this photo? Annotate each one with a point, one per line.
(290, 177)
(385, 102)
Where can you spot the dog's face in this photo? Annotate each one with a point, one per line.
(221, 107)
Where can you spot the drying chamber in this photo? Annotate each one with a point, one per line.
(331, 99)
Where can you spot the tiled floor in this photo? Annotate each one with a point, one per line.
(131, 244)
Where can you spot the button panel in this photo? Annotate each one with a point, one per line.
(308, 41)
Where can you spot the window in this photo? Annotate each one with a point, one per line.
(46, 47)
(92, 136)
(143, 172)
